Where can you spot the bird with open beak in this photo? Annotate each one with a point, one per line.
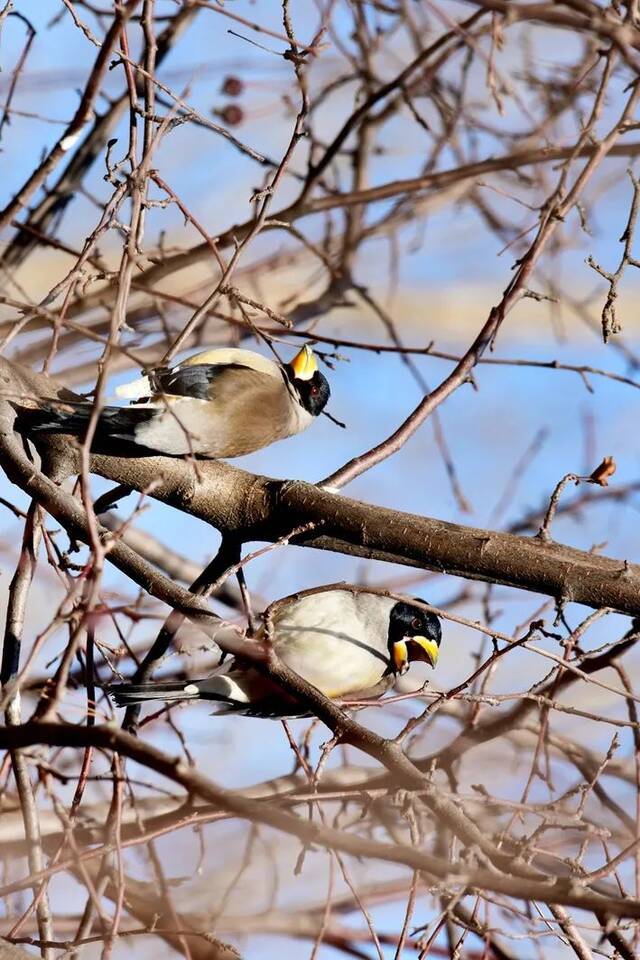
(348, 645)
(220, 403)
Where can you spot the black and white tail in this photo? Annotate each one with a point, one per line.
(223, 689)
(230, 692)
(118, 423)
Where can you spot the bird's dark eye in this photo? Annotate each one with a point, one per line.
(416, 624)
(314, 391)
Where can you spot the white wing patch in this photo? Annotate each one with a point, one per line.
(135, 389)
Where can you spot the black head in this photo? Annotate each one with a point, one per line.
(314, 393)
(414, 634)
(311, 387)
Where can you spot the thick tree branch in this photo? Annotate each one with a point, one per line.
(252, 507)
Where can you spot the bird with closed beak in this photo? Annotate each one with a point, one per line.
(349, 645)
(220, 403)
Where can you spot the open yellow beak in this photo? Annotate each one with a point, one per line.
(424, 649)
(304, 364)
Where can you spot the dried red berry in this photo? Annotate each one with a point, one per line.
(232, 86)
(231, 114)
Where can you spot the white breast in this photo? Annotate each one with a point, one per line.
(335, 640)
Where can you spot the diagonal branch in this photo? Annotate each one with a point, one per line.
(253, 507)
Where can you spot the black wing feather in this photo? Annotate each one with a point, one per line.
(195, 380)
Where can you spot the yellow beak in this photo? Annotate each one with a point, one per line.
(304, 364)
(401, 657)
(428, 647)
(424, 649)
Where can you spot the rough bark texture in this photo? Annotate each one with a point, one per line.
(261, 508)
